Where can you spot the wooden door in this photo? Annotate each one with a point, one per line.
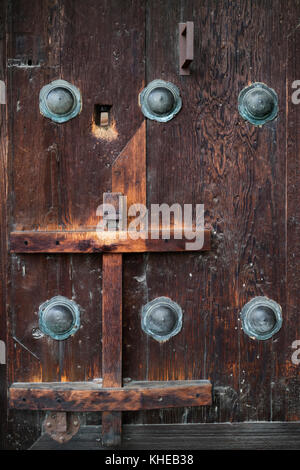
(54, 175)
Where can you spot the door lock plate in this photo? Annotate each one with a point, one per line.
(61, 426)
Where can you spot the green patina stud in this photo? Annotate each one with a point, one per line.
(258, 103)
(60, 101)
(161, 318)
(261, 318)
(160, 101)
(59, 317)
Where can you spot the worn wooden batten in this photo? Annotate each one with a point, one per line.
(89, 396)
(106, 242)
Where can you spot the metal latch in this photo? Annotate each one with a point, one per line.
(61, 426)
(186, 47)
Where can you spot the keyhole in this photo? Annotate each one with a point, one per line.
(102, 115)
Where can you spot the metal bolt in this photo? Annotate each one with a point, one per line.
(258, 103)
(261, 318)
(60, 100)
(161, 318)
(59, 317)
(160, 100)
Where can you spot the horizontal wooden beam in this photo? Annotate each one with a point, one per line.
(88, 396)
(108, 242)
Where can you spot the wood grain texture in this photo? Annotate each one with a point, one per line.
(129, 169)
(72, 174)
(112, 302)
(261, 252)
(286, 386)
(136, 396)
(129, 179)
(106, 241)
(3, 224)
(58, 173)
(208, 154)
(247, 177)
(219, 436)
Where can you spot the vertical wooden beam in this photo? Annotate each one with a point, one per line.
(128, 178)
(112, 342)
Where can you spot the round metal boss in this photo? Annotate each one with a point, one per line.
(161, 318)
(261, 318)
(59, 317)
(258, 103)
(160, 101)
(60, 101)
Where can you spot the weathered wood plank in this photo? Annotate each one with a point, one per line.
(33, 59)
(110, 40)
(112, 342)
(217, 436)
(260, 207)
(238, 172)
(112, 320)
(3, 224)
(179, 169)
(90, 242)
(66, 169)
(286, 383)
(206, 154)
(58, 173)
(139, 396)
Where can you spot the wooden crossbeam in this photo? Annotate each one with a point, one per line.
(89, 396)
(110, 242)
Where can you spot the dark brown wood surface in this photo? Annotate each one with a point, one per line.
(129, 169)
(64, 177)
(209, 154)
(286, 387)
(217, 436)
(112, 336)
(3, 241)
(247, 177)
(85, 397)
